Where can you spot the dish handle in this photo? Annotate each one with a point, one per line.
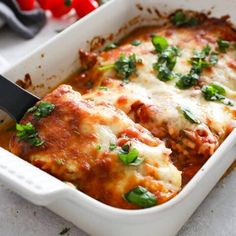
(29, 181)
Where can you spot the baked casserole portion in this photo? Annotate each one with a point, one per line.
(148, 113)
(98, 148)
(176, 80)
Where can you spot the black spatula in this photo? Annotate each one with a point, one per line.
(14, 100)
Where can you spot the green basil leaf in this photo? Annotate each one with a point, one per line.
(126, 66)
(110, 46)
(136, 42)
(28, 133)
(213, 58)
(223, 45)
(98, 147)
(42, 109)
(141, 197)
(187, 81)
(160, 43)
(112, 146)
(213, 92)
(183, 19)
(103, 88)
(189, 116)
(128, 157)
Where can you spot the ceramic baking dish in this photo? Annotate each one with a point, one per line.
(56, 60)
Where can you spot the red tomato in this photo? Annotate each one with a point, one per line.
(26, 5)
(44, 4)
(84, 7)
(60, 8)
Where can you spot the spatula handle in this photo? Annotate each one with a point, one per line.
(14, 100)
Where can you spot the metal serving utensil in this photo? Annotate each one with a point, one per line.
(15, 100)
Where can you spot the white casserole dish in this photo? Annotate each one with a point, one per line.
(56, 60)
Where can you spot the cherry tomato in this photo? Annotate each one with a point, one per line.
(60, 8)
(26, 5)
(84, 7)
(44, 4)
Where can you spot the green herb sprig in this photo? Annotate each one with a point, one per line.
(110, 46)
(188, 114)
(130, 156)
(141, 197)
(28, 133)
(201, 59)
(181, 18)
(215, 92)
(42, 109)
(125, 66)
(166, 60)
(136, 42)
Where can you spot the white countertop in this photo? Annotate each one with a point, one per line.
(216, 215)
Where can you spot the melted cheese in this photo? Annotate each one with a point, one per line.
(158, 105)
(73, 155)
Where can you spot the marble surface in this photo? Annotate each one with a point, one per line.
(215, 216)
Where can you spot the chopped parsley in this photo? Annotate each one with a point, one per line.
(129, 156)
(136, 42)
(187, 81)
(64, 231)
(215, 92)
(181, 18)
(110, 46)
(98, 147)
(166, 63)
(125, 66)
(112, 147)
(213, 59)
(223, 45)
(159, 43)
(201, 59)
(103, 88)
(42, 109)
(28, 133)
(59, 162)
(141, 197)
(190, 116)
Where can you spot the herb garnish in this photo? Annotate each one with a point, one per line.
(183, 19)
(136, 42)
(166, 60)
(190, 116)
(129, 156)
(141, 197)
(59, 162)
(160, 43)
(215, 92)
(42, 109)
(103, 88)
(223, 45)
(125, 66)
(110, 46)
(200, 60)
(64, 231)
(112, 147)
(28, 133)
(98, 147)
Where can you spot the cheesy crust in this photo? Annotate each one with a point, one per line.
(77, 136)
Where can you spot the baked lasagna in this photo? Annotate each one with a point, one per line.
(143, 116)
